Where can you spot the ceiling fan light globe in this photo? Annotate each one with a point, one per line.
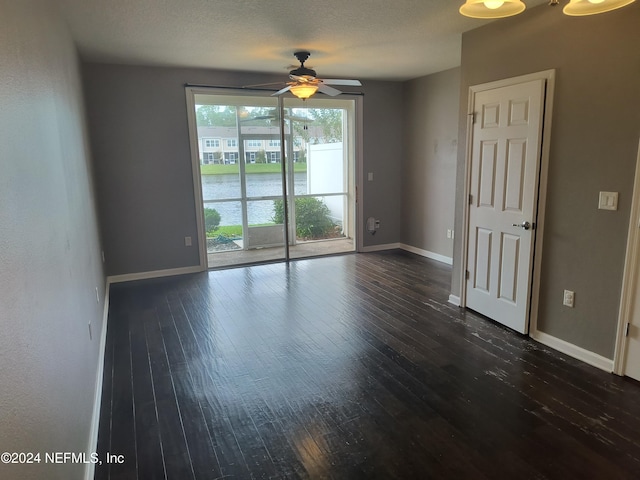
(304, 91)
(493, 4)
(492, 8)
(578, 8)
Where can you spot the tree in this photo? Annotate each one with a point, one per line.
(215, 115)
(211, 219)
(330, 119)
(302, 156)
(259, 116)
(327, 120)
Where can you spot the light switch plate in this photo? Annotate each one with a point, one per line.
(568, 298)
(608, 201)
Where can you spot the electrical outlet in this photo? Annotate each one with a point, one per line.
(377, 224)
(187, 241)
(449, 233)
(569, 298)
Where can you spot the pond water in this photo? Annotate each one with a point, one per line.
(216, 187)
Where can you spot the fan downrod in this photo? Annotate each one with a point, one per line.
(302, 71)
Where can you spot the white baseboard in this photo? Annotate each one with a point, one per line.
(409, 248)
(455, 300)
(379, 248)
(574, 351)
(97, 396)
(128, 277)
(428, 254)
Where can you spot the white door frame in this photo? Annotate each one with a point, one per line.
(549, 77)
(631, 270)
(359, 172)
(190, 93)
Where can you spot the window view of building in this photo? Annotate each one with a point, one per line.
(219, 145)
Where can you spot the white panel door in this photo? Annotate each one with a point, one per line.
(505, 159)
(631, 366)
(632, 357)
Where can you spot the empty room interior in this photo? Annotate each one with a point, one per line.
(319, 239)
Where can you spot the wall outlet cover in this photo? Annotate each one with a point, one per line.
(568, 298)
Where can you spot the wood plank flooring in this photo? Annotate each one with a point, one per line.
(346, 367)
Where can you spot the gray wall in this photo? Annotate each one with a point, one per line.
(383, 155)
(594, 141)
(429, 173)
(138, 124)
(49, 246)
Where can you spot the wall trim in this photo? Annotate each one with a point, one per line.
(409, 248)
(574, 351)
(128, 277)
(427, 253)
(454, 300)
(97, 396)
(379, 248)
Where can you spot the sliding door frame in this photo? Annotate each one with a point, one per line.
(355, 123)
(196, 174)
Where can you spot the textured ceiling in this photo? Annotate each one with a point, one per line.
(366, 39)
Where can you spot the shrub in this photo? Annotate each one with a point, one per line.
(211, 219)
(261, 156)
(312, 217)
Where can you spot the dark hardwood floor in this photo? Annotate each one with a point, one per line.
(346, 367)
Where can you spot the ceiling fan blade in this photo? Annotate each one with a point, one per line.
(338, 81)
(328, 90)
(280, 92)
(262, 117)
(262, 85)
(298, 119)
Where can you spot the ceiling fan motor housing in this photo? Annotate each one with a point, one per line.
(303, 71)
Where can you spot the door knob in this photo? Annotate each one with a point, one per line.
(525, 225)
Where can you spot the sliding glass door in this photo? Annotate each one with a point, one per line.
(252, 160)
(322, 207)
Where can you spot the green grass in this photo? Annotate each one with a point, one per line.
(249, 168)
(227, 231)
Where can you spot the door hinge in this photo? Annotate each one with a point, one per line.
(626, 330)
(470, 199)
(473, 117)
(466, 274)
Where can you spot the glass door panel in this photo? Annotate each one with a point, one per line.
(239, 149)
(322, 170)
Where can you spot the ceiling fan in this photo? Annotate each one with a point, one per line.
(304, 81)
